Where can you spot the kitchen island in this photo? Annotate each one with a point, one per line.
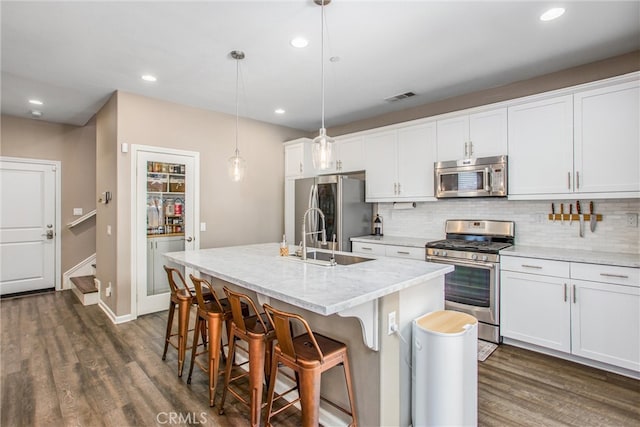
(350, 303)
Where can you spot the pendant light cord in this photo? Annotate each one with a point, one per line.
(237, 102)
(322, 58)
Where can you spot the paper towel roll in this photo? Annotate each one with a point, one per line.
(404, 205)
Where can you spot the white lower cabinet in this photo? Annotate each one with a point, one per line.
(388, 250)
(546, 303)
(534, 309)
(157, 282)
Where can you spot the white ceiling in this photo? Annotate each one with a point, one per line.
(73, 55)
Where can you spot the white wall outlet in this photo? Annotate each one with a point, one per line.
(107, 291)
(392, 326)
(632, 219)
(77, 211)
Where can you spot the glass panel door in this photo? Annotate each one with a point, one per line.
(165, 222)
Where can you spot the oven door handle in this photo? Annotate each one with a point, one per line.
(479, 264)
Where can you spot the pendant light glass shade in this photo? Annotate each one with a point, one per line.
(237, 165)
(322, 153)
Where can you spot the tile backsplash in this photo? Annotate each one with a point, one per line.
(533, 228)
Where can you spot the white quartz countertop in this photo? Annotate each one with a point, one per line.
(574, 255)
(414, 242)
(320, 289)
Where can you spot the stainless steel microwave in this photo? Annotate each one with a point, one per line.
(481, 177)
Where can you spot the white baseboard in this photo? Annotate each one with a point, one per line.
(83, 268)
(112, 316)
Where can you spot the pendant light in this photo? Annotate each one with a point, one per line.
(237, 165)
(322, 144)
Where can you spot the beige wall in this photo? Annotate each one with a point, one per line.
(75, 148)
(599, 70)
(235, 213)
(107, 255)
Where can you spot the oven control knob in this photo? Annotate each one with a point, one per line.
(484, 257)
(474, 257)
(444, 253)
(435, 253)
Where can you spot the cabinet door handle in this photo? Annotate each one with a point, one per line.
(300, 167)
(402, 252)
(537, 267)
(568, 180)
(574, 294)
(364, 248)
(395, 188)
(619, 276)
(577, 179)
(565, 292)
(399, 188)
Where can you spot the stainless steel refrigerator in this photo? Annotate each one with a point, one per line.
(341, 200)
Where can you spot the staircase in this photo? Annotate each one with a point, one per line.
(85, 289)
(80, 279)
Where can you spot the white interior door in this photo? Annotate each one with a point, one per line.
(28, 226)
(166, 214)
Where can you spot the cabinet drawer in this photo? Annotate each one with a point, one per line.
(368, 248)
(606, 273)
(543, 267)
(405, 252)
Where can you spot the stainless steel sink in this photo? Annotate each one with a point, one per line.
(324, 258)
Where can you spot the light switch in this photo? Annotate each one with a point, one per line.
(108, 230)
(203, 226)
(77, 211)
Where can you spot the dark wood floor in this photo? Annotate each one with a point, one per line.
(65, 364)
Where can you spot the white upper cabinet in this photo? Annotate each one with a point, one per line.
(541, 147)
(482, 134)
(585, 143)
(399, 164)
(416, 154)
(297, 158)
(607, 139)
(380, 163)
(348, 156)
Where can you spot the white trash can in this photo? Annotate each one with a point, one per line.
(445, 369)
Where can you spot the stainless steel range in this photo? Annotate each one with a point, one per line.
(472, 246)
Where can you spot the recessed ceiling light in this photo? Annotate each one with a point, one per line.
(35, 102)
(552, 14)
(299, 42)
(279, 111)
(149, 78)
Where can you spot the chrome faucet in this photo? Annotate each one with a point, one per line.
(323, 233)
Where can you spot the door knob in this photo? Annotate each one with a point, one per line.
(189, 239)
(49, 234)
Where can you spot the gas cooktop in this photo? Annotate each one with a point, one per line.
(469, 245)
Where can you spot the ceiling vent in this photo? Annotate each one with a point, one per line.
(399, 97)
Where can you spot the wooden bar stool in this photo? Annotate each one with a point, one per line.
(256, 331)
(183, 298)
(308, 355)
(210, 315)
